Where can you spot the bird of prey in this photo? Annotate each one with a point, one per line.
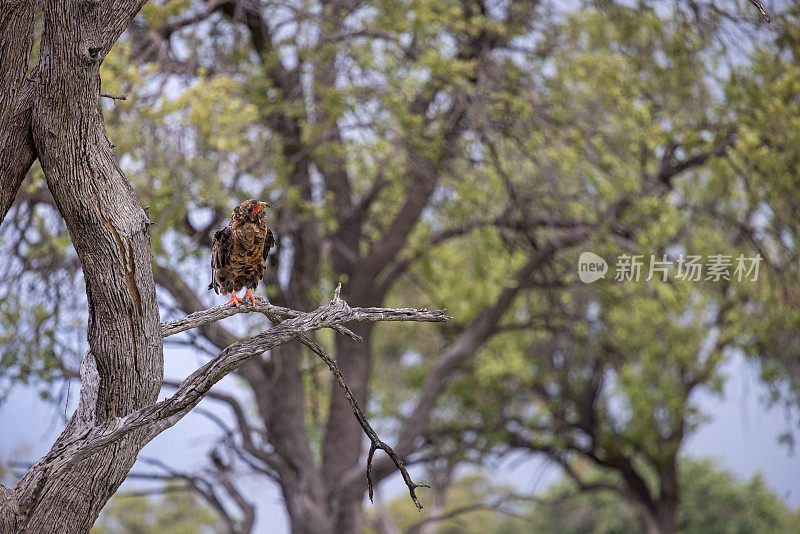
(239, 251)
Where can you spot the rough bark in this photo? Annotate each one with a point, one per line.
(88, 437)
(17, 152)
(9, 510)
(16, 40)
(109, 231)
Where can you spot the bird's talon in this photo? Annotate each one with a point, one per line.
(252, 297)
(234, 299)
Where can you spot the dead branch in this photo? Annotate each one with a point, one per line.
(763, 12)
(112, 96)
(157, 417)
(375, 441)
(217, 313)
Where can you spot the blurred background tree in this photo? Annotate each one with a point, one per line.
(714, 502)
(458, 153)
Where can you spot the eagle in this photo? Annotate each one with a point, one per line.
(239, 251)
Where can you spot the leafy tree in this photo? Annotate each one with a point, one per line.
(606, 373)
(712, 501)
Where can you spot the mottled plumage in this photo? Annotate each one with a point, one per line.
(239, 251)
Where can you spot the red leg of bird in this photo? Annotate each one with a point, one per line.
(236, 300)
(250, 296)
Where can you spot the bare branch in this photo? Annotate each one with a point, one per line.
(159, 416)
(763, 12)
(271, 461)
(375, 441)
(496, 506)
(115, 97)
(196, 483)
(217, 313)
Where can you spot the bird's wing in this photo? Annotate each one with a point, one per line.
(221, 246)
(269, 242)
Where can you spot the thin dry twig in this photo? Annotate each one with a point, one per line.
(375, 442)
(763, 12)
(115, 97)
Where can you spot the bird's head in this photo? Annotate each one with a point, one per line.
(250, 210)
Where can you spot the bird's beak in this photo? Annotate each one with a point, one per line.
(261, 206)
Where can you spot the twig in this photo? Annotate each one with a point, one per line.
(123, 96)
(66, 404)
(763, 12)
(375, 441)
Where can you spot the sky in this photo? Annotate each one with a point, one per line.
(742, 436)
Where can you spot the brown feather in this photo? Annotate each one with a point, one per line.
(239, 251)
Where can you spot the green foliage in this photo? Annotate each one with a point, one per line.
(712, 502)
(463, 495)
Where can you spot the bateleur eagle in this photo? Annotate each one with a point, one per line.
(239, 251)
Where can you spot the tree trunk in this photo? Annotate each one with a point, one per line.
(661, 521)
(342, 445)
(666, 516)
(109, 231)
(284, 416)
(17, 153)
(307, 515)
(16, 40)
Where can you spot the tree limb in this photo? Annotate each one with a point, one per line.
(212, 315)
(17, 152)
(763, 12)
(9, 510)
(159, 416)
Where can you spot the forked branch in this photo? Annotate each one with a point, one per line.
(290, 324)
(375, 441)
